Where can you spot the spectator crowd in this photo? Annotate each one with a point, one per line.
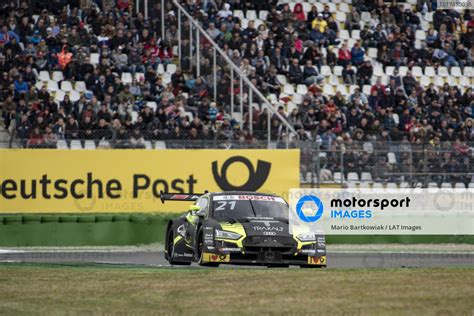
(118, 79)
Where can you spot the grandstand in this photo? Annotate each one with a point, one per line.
(374, 94)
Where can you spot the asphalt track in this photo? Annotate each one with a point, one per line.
(336, 259)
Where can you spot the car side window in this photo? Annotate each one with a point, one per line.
(203, 203)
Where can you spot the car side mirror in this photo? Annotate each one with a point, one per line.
(194, 208)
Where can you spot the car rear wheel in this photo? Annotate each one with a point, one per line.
(200, 246)
(170, 249)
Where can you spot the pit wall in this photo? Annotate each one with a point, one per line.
(27, 230)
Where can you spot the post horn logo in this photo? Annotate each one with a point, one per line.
(256, 177)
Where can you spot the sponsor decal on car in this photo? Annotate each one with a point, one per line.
(240, 197)
(211, 257)
(317, 260)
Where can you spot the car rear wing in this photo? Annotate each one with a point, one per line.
(179, 196)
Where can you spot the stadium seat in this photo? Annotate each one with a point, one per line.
(326, 71)
(338, 177)
(378, 70)
(66, 86)
(355, 34)
(391, 158)
(76, 144)
(127, 78)
(366, 177)
(94, 58)
(343, 89)
(443, 71)
(366, 89)
(405, 185)
(430, 71)
(333, 80)
(332, 6)
(403, 70)
(438, 80)
(160, 69)
(465, 81)
(433, 185)
(302, 89)
(296, 99)
(148, 144)
(417, 71)
(61, 144)
(452, 81)
(365, 16)
(160, 145)
(456, 72)
(80, 86)
(134, 116)
(171, 68)
(282, 79)
(89, 144)
(252, 15)
(469, 71)
(289, 89)
(389, 70)
(58, 76)
(344, 35)
(420, 35)
(44, 76)
(352, 176)
(74, 96)
(52, 86)
(338, 70)
(352, 88)
(239, 14)
(40, 84)
(372, 52)
(328, 89)
(59, 95)
(446, 185)
(263, 15)
(425, 81)
(344, 7)
(104, 144)
(340, 17)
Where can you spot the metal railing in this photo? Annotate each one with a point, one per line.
(320, 163)
(196, 34)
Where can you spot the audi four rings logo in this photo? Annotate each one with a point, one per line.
(316, 201)
(256, 177)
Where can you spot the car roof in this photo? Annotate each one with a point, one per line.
(242, 192)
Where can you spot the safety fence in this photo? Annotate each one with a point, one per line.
(326, 160)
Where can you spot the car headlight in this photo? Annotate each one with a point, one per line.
(227, 235)
(307, 237)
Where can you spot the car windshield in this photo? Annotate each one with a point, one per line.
(254, 206)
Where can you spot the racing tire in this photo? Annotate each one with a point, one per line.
(199, 247)
(170, 249)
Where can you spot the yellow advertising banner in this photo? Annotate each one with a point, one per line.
(53, 180)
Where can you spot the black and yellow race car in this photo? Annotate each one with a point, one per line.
(239, 228)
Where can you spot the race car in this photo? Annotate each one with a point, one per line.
(239, 228)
